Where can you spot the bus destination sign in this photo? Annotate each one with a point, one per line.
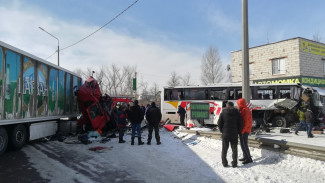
(200, 110)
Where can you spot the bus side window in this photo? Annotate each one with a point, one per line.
(180, 95)
(259, 96)
(231, 95)
(206, 92)
(240, 95)
(284, 94)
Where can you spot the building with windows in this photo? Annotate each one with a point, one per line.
(296, 60)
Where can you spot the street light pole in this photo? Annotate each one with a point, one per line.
(245, 53)
(58, 44)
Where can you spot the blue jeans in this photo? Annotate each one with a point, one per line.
(138, 127)
(309, 129)
(307, 126)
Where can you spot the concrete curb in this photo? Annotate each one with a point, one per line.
(297, 149)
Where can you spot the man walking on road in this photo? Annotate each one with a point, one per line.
(153, 117)
(230, 126)
(135, 115)
(246, 116)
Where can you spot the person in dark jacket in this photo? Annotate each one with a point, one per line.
(230, 126)
(153, 117)
(309, 116)
(121, 122)
(136, 116)
(181, 112)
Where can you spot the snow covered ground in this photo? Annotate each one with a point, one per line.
(318, 140)
(180, 158)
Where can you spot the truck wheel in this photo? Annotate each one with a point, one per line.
(3, 140)
(279, 121)
(18, 137)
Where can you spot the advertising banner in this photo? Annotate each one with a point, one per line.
(304, 80)
(200, 110)
(314, 48)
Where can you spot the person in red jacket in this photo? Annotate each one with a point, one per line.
(246, 116)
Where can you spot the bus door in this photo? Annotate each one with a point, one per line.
(216, 111)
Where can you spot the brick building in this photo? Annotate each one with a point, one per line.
(296, 60)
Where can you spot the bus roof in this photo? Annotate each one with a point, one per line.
(232, 85)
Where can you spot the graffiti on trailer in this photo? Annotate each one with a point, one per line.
(29, 85)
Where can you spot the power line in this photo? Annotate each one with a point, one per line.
(51, 55)
(101, 26)
(98, 29)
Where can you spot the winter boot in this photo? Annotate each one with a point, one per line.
(121, 141)
(158, 140)
(132, 141)
(139, 141)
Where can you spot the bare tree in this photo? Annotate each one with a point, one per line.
(99, 76)
(228, 74)
(186, 79)
(129, 72)
(211, 68)
(113, 80)
(154, 91)
(317, 37)
(174, 79)
(145, 96)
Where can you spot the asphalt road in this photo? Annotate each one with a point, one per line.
(15, 168)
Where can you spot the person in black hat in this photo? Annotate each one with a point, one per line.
(153, 117)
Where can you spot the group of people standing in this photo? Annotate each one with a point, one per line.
(135, 114)
(233, 122)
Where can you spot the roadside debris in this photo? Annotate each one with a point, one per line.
(193, 143)
(100, 149)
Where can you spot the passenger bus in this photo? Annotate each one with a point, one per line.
(34, 96)
(270, 103)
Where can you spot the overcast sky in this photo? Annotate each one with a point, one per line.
(157, 36)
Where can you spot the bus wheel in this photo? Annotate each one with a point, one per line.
(279, 121)
(3, 140)
(18, 137)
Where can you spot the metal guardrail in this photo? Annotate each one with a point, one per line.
(297, 149)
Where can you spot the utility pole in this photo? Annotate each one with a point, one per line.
(135, 86)
(245, 52)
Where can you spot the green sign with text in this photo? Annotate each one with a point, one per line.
(200, 110)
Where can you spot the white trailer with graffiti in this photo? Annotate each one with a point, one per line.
(34, 96)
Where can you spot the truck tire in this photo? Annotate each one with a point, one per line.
(279, 121)
(18, 137)
(3, 140)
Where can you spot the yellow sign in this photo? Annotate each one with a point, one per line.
(277, 81)
(313, 48)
